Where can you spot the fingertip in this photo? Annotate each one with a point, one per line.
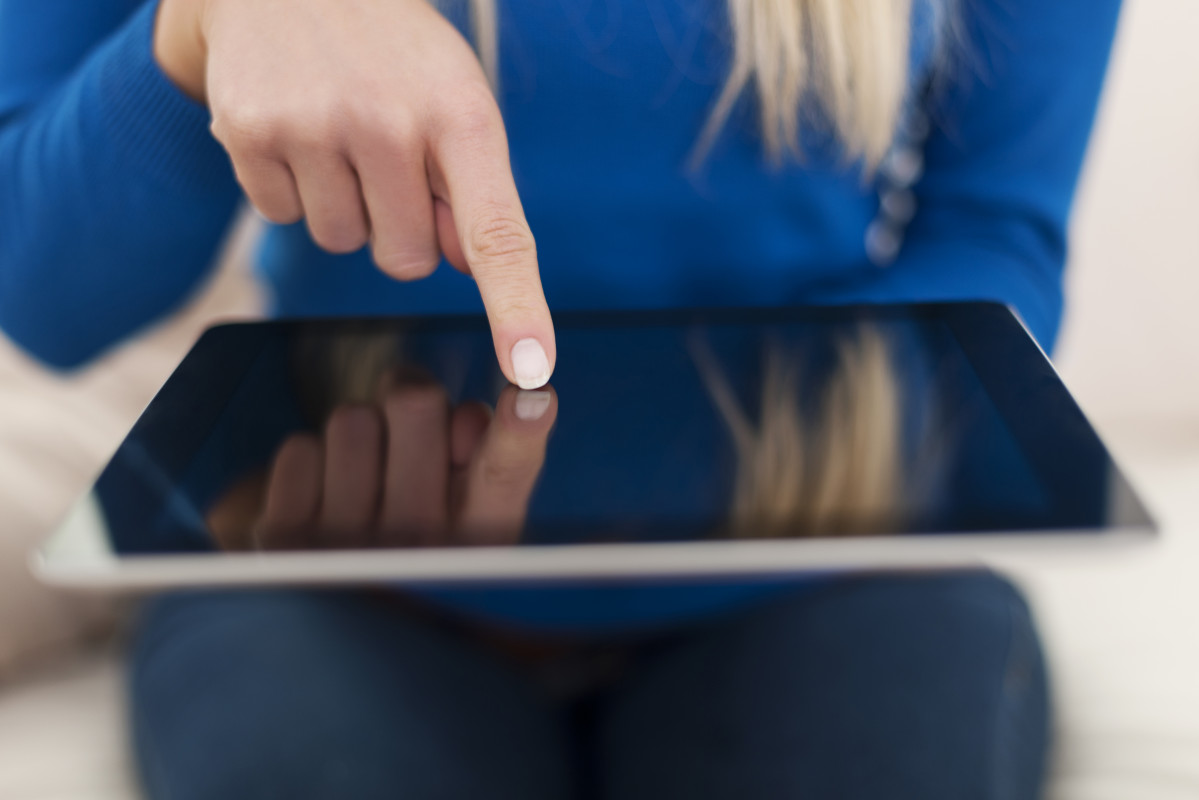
(357, 425)
(530, 364)
(527, 409)
(531, 405)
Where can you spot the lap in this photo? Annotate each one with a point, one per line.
(886, 686)
(311, 695)
(899, 687)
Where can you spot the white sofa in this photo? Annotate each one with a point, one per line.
(62, 733)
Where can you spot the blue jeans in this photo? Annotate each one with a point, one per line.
(881, 687)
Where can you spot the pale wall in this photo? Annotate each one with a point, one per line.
(1130, 346)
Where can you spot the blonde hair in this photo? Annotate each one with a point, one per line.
(837, 469)
(848, 56)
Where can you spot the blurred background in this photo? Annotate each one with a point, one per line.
(1122, 633)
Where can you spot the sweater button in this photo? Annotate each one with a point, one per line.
(882, 242)
(898, 206)
(903, 167)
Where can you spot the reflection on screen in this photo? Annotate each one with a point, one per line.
(394, 435)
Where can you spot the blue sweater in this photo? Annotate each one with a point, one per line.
(114, 197)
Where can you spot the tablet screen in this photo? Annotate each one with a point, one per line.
(656, 426)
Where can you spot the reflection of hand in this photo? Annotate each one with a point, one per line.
(412, 472)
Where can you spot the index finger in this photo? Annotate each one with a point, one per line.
(506, 465)
(470, 153)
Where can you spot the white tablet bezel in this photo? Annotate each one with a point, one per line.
(78, 557)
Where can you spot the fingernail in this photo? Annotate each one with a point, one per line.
(529, 364)
(531, 405)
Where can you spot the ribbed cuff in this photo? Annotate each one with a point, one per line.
(148, 119)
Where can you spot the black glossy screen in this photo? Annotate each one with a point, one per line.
(655, 426)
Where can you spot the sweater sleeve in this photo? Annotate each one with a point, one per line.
(1009, 129)
(113, 196)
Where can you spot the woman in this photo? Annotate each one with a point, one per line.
(748, 152)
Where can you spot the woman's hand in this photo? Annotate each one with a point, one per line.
(409, 472)
(373, 121)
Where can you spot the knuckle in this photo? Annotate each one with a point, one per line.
(499, 238)
(342, 244)
(471, 112)
(406, 265)
(264, 126)
(476, 121)
(339, 239)
(280, 214)
(401, 136)
(343, 418)
(246, 128)
(297, 446)
(317, 130)
(312, 123)
(419, 399)
(396, 131)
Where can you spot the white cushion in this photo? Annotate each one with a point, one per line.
(56, 433)
(63, 734)
(1121, 637)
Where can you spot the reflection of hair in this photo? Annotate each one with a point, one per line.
(836, 470)
(850, 56)
(348, 366)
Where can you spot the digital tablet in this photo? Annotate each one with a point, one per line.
(668, 445)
